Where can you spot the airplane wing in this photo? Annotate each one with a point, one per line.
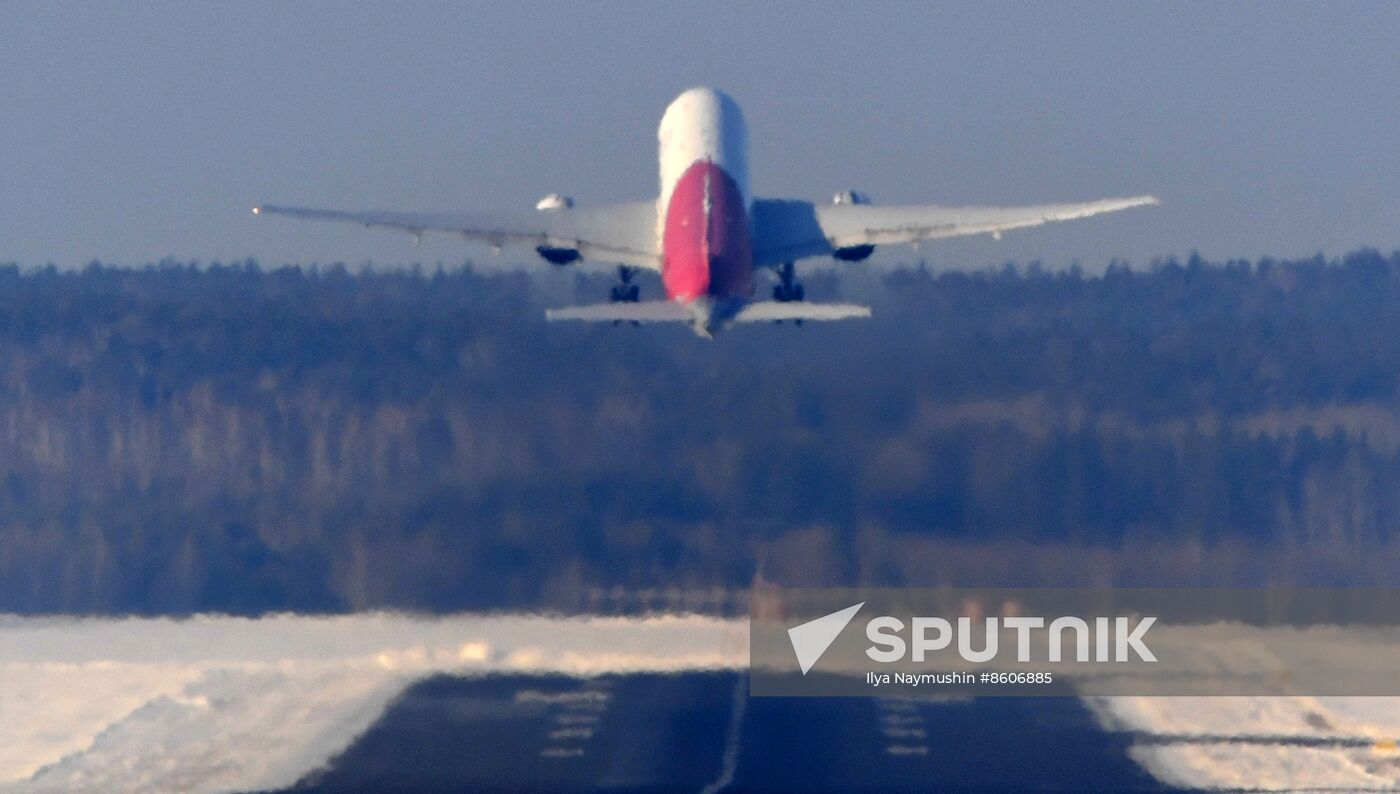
(620, 233)
(789, 230)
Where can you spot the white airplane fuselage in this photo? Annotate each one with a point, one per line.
(703, 209)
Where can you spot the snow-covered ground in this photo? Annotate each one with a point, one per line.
(1262, 743)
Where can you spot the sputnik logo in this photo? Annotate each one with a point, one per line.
(811, 639)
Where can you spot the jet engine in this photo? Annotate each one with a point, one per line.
(849, 197)
(852, 253)
(556, 202)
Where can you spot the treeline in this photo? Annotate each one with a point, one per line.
(228, 437)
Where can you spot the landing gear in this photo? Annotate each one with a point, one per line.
(626, 292)
(788, 290)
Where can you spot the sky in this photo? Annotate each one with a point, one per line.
(134, 132)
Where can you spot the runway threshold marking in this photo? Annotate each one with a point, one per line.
(573, 717)
(903, 726)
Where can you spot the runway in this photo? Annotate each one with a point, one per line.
(394, 702)
(700, 732)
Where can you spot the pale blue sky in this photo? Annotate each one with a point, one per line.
(131, 132)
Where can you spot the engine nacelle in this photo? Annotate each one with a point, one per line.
(558, 256)
(852, 253)
(555, 255)
(849, 197)
(553, 202)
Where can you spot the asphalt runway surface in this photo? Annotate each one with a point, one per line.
(701, 732)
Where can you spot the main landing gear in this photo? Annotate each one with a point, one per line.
(788, 290)
(626, 292)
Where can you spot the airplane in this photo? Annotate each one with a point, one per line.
(707, 236)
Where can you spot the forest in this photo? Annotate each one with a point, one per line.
(186, 437)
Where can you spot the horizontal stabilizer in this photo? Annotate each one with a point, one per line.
(671, 312)
(770, 311)
(644, 312)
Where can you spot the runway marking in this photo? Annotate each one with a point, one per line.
(571, 733)
(575, 719)
(898, 720)
(905, 733)
(903, 725)
(575, 713)
(729, 763)
(583, 696)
